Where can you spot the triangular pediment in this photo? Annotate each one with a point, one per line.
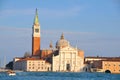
(69, 48)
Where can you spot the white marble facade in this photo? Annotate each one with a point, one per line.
(67, 60)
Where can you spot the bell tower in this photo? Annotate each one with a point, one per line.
(36, 36)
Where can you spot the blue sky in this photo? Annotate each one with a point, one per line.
(92, 25)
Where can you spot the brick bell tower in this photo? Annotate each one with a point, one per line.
(36, 36)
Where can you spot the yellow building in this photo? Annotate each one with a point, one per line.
(31, 64)
(111, 66)
(103, 64)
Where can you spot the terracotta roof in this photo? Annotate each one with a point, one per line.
(103, 57)
(113, 60)
(24, 59)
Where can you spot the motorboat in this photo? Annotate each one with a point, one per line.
(11, 73)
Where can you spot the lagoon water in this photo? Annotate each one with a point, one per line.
(59, 76)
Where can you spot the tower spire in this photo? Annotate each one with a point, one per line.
(36, 21)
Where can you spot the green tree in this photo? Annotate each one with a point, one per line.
(9, 65)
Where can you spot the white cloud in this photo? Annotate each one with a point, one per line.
(12, 12)
(67, 32)
(14, 32)
(61, 13)
(75, 10)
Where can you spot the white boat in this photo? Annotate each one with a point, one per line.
(11, 73)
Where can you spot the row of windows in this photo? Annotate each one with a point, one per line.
(37, 62)
(116, 70)
(111, 65)
(38, 68)
(34, 64)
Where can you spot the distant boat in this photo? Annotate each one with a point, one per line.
(11, 73)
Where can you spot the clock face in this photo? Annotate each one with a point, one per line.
(36, 30)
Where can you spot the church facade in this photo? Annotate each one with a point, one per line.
(67, 59)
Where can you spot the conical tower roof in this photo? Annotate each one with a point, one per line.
(36, 21)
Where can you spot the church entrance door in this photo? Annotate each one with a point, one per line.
(68, 67)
